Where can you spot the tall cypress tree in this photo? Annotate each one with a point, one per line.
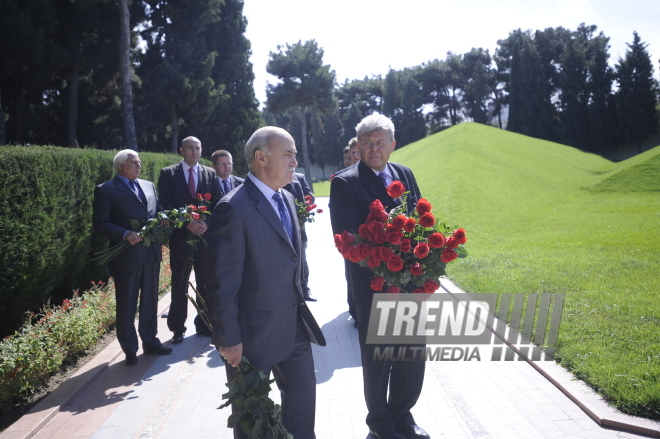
(637, 98)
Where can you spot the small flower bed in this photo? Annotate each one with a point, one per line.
(47, 339)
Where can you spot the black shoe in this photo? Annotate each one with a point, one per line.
(204, 331)
(164, 315)
(178, 337)
(391, 434)
(308, 297)
(413, 431)
(158, 349)
(131, 359)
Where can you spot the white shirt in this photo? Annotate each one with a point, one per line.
(268, 193)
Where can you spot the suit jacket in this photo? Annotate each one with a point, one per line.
(174, 193)
(351, 193)
(295, 188)
(115, 205)
(300, 177)
(235, 182)
(253, 276)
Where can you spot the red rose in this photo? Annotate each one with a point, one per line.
(409, 227)
(309, 208)
(308, 197)
(385, 253)
(376, 226)
(202, 208)
(319, 210)
(192, 207)
(399, 221)
(363, 231)
(436, 240)
(375, 252)
(378, 238)
(395, 263)
(420, 294)
(373, 217)
(332, 176)
(354, 254)
(338, 241)
(460, 237)
(376, 206)
(394, 237)
(422, 250)
(431, 286)
(396, 189)
(423, 206)
(199, 197)
(384, 216)
(405, 245)
(448, 255)
(365, 250)
(207, 197)
(427, 220)
(451, 242)
(195, 215)
(393, 290)
(377, 283)
(347, 237)
(416, 269)
(373, 262)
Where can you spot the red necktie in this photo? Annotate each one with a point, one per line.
(191, 182)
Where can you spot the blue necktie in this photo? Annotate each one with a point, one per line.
(383, 178)
(284, 215)
(225, 184)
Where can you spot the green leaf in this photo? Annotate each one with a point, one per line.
(135, 225)
(461, 251)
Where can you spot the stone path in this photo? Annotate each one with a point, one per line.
(177, 396)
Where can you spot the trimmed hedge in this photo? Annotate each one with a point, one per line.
(46, 240)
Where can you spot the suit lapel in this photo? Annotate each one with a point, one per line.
(266, 210)
(182, 180)
(123, 188)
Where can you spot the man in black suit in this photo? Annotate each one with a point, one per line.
(178, 186)
(135, 269)
(223, 165)
(253, 279)
(351, 193)
(296, 189)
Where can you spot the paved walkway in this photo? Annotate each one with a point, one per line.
(177, 396)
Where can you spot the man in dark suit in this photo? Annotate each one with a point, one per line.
(296, 189)
(253, 280)
(223, 165)
(351, 193)
(178, 186)
(135, 269)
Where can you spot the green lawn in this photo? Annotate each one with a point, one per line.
(543, 217)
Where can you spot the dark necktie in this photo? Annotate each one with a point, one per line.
(383, 178)
(225, 185)
(284, 215)
(136, 191)
(191, 182)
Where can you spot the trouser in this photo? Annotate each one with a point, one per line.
(181, 267)
(130, 283)
(403, 379)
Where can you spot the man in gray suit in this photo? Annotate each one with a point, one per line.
(136, 269)
(253, 279)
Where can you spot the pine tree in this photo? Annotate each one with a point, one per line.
(637, 98)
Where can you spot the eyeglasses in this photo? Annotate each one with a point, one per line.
(381, 144)
(223, 164)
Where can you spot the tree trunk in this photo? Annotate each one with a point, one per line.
(125, 71)
(19, 120)
(72, 132)
(305, 153)
(3, 137)
(175, 128)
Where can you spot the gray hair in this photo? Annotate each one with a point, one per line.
(375, 122)
(121, 158)
(258, 141)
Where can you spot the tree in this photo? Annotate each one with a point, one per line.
(637, 98)
(478, 79)
(126, 77)
(306, 83)
(356, 100)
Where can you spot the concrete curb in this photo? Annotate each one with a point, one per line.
(577, 391)
(30, 423)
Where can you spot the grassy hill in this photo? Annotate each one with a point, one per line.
(544, 217)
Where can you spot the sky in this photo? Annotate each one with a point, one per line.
(367, 37)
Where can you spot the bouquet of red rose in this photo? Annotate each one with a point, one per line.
(306, 211)
(401, 248)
